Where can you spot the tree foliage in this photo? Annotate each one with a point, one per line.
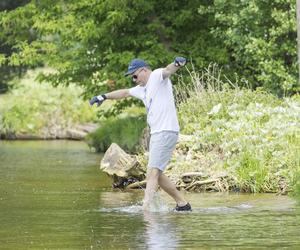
(90, 42)
(261, 39)
(7, 72)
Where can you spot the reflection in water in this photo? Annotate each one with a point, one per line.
(160, 232)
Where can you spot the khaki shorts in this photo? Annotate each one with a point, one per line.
(161, 147)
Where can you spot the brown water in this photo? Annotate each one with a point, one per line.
(53, 196)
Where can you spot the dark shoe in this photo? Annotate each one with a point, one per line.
(186, 207)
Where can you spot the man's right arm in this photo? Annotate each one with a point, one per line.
(117, 94)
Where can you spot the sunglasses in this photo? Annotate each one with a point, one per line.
(135, 76)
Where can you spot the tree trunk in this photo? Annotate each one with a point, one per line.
(298, 35)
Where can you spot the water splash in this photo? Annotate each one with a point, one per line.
(158, 205)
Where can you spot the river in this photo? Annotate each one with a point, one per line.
(53, 196)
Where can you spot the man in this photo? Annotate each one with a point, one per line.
(154, 88)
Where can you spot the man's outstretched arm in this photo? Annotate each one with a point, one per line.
(173, 67)
(117, 94)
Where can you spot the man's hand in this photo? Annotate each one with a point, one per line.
(173, 67)
(180, 61)
(98, 99)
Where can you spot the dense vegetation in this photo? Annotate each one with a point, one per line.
(251, 135)
(90, 42)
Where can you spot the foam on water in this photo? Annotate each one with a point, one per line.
(127, 209)
(160, 206)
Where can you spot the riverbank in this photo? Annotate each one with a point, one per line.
(33, 110)
(78, 132)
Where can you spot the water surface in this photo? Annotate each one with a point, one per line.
(53, 196)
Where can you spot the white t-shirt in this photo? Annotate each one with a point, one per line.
(157, 96)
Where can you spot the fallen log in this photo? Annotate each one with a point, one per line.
(199, 183)
(138, 184)
(192, 174)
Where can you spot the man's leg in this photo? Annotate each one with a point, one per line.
(169, 187)
(151, 187)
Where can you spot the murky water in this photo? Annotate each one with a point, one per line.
(53, 196)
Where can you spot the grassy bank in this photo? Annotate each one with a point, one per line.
(251, 137)
(42, 110)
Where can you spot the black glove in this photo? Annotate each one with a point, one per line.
(98, 99)
(180, 61)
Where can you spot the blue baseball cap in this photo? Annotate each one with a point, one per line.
(134, 65)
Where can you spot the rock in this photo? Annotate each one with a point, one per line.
(87, 128)
(116, 162)
(76, 134)
(80, 131)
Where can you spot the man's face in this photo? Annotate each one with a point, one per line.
(137, 76)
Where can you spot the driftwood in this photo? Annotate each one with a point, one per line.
(121, 166)
(188, 177)
(138, 184)
(198, 181)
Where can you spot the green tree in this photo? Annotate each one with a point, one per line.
(7, 72)
(260, 37)
(90, 42)
(298, 36)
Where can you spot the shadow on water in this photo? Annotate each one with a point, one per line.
(52, 195)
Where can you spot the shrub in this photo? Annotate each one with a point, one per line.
(126, 132)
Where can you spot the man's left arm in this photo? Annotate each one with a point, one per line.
(173, 67)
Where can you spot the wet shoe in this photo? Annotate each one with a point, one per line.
(186, 207)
